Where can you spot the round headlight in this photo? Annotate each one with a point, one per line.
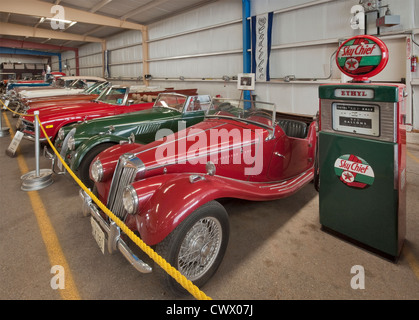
(96, 171)
(130, 200)
(61, 134)
(71, 143)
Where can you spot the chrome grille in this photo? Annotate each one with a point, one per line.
(27, 125)
(126, 171)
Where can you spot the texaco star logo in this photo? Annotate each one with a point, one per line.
(351, 64)
(348, 176)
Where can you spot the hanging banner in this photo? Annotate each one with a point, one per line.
(261, 45)
(107, 70)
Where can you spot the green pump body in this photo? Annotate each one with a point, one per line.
(362, 164)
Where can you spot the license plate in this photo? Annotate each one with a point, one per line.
(60, 166)
(98, 234)
(6, 104)
(18, 123)
(11, 150)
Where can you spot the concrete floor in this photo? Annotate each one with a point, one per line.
(277, 250)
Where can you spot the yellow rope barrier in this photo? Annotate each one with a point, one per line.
(19, 114)
(180, 278)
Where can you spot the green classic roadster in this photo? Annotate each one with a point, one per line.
(80, 143)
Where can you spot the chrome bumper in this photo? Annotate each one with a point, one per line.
(32, 138)
(114, 241)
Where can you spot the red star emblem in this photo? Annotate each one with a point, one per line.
(352, 64)
(348, 176)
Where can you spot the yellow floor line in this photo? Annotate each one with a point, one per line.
(412, 156)
(49, 236)
(413, 263)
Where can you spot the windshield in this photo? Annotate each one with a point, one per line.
(172, 101)
(77, 84)
(113, 95)
(261, 113)
(59, 82)
(96, 88)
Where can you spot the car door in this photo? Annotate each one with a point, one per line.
(292, 155)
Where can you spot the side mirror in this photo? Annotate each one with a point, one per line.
(210, 167)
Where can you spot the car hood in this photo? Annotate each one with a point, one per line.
(66, 100)
(33, 89)
(63, 109)
(64, 97)
(120, 122)
(223, 142)
(48, 92)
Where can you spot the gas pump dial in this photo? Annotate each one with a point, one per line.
(363, 119)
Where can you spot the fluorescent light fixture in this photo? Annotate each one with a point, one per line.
(60, 20)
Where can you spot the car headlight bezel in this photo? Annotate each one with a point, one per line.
(130, 200)
(61, 134)
(96, 171)
(71, 143)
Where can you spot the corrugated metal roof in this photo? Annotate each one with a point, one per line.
(143, 12)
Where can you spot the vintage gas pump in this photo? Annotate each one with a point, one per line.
(362, 152)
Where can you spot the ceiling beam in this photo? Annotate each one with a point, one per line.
(11, 29)
(20, 44)
(43, 9)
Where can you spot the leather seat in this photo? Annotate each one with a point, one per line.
(293, 128)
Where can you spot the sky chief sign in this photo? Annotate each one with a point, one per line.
(354, 171)
(362, 57)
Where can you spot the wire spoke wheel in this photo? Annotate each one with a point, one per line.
(196, 246)
(200, 248)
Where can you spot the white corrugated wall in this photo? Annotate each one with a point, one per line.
(205, 44)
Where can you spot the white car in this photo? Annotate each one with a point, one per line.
(65, 85)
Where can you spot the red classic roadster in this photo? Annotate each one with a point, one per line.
(168, 190)
(112, 101)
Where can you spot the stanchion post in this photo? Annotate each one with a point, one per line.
(37, 179)
(3, 131)
(36, 113)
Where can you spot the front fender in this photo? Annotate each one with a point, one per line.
(89, 144)
(175, 197)
(165, 201)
